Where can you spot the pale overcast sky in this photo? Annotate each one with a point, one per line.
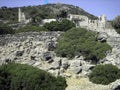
(111, 8)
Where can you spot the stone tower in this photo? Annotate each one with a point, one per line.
(21, 16)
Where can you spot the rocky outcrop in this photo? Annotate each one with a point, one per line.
(113, 40)
(37, 49)
(102, 37)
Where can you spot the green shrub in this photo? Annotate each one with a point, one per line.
(63, 25)
(24, 77)
(104, 74)
(5, 29)
(118, 30)
(79, 41)
(30, 28)
(116, 22)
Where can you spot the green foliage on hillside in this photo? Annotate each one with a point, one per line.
(104, 74)
(10, 14)
(5, 29)
(24, 77)
(118, 30)
(63, 25)
(31, 28)
(37, 13)
(116, 23)
(79, 41)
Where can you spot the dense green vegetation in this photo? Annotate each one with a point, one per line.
(116, 23)
(63, 25)
(24, 77)
(79, 41)
(42, 11)
(9, 14)
(5, 29)
(30, 28)
(104, 74)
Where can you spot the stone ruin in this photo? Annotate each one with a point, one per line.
(85, 22)
(22, 18)
(79, 20)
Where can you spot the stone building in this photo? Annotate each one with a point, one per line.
(79, 20)
(22, 17)
(85, 22)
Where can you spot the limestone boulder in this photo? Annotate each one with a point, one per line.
(54, 72)
(19, 53)
(64, 63)
(55, 64)
(87, 67)
(102, 37)
(75, 70)
(47, 56)
(75, 63)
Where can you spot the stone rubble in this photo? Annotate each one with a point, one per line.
(37, 49)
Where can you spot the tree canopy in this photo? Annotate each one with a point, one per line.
(24, 77)
(104, 74)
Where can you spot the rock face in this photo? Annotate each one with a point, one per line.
(102, 37)
(113, 40)
(37, 49)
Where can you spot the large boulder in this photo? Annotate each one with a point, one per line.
(64, 63)
(56, 64)
(75, 70)
(102, 37)
(75, 63)
(50, 45)
(54, 72)
(48, 56)
(75, 66)
(19, 53)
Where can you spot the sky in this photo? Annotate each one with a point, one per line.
(111, 8)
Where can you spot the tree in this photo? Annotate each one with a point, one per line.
(5, 29)
(104, 74)
(31, 28)
(116, 22)
(77, 41)
(63, 25)
(62, 14)
(24, 77)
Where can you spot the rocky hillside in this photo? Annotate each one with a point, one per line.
(42, 11)
(37, 49)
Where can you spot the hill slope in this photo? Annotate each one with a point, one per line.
(42, 11)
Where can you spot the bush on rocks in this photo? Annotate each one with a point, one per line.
(5, 29)
(31, 28)
(24, 77)
(77, 41)
(63, 25)
(104, 74)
